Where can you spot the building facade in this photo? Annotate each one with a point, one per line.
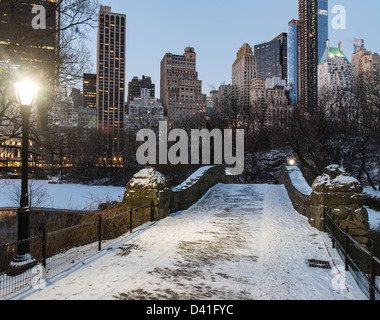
(227, 92)
(270, 103)
(87, 120)
(243, 70)
(312, 37)
(261, 89)
(214, 96)
(271, 58)
(64, 113)
(136, 84)
(366, 77)
(89, 90)
(323, 27)
(334, 70)
(145, 112)
(293, 60)
(181, 91)
(367, 64)
(358, 44)
(275, 82)
(110, 93)
(11, 157)
(335, 84)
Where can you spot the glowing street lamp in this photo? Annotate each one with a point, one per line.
(292, 162)
(26, 94)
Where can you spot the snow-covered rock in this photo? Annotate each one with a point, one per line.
(145, 186)
(343, 195)
(335, 179)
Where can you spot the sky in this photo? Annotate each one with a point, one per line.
(218, 28)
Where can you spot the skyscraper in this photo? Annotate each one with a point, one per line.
(323, 27)
(312, 37)
(271, 58)
(293, 60)
(181, 90)
(243, 70)
(110, 93)
(283, 39)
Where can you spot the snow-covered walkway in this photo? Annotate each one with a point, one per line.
(239, 242)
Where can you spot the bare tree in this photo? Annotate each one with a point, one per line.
(228, 113)
(342, 130)
(38, 194)
(368, 93)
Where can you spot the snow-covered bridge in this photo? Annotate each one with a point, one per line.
(237, 242)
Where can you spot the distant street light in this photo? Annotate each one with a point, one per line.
(26, 94)
(292, 162)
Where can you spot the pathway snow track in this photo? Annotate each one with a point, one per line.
(237, 242)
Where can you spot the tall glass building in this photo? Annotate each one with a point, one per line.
(312, 37)
(293, 60)
(271, 58)
(323, 27)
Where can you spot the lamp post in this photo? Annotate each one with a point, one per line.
(26, 93)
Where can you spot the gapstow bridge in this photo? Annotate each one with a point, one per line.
(216, 240)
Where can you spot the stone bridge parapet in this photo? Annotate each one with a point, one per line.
(336, 190)
(150, 185)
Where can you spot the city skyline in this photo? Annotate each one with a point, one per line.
(220, 27)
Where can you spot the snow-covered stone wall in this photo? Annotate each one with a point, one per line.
(150, 185)
(195, 187)
(334, 189)
(298, 189)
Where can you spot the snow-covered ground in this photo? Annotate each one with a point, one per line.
(238, 242)
(59, 196)
(373, 215)
(372, 192)
(373, 219)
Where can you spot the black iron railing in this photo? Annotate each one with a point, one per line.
(360, 261)
(51, 252)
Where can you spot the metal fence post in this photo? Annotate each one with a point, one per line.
(372, 271)
(130, 220)
(333, 232)
(44, 241)
(100, 233)
(346, 250)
